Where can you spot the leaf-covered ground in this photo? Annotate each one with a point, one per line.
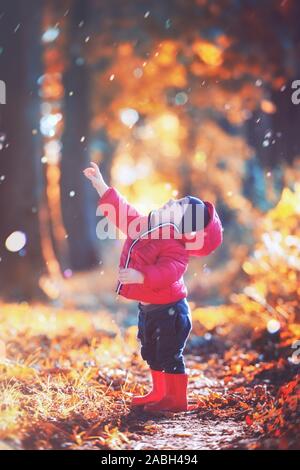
(67, 378)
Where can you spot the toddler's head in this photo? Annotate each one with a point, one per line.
(189, 213)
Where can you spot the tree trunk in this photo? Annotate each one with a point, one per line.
(79, 212)
(21, 185)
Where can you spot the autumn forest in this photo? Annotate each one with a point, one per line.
(169, 98)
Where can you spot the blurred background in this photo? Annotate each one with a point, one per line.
(169, 98)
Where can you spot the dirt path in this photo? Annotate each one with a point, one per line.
(77, 383)
(194, 430)
(184, 431)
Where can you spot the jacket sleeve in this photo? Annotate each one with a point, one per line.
(170, 267)
(120, 212)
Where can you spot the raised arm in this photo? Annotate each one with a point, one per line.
(121, 213)
(94, 174)
(114, 205)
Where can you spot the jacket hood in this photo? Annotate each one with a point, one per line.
(199, 243)
(205, 241)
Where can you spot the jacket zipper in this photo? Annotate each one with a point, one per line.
(137, 239)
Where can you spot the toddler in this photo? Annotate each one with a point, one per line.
(154, 258)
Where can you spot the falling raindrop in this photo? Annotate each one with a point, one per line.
(50, 35)
(181, 98)
(68, 273)
(129, 116)
(273, 326)
(15, 241)
(138, 72)
(207, 336)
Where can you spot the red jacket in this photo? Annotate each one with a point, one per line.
(160, 252)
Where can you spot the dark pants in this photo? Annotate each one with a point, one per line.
(163, 330)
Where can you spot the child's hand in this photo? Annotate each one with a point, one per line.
(94, 175)
(130, 276)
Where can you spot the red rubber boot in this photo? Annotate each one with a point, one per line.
(175, 398)
(158, 389)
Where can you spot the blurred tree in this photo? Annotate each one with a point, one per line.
(21, 185)
(79, 218)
